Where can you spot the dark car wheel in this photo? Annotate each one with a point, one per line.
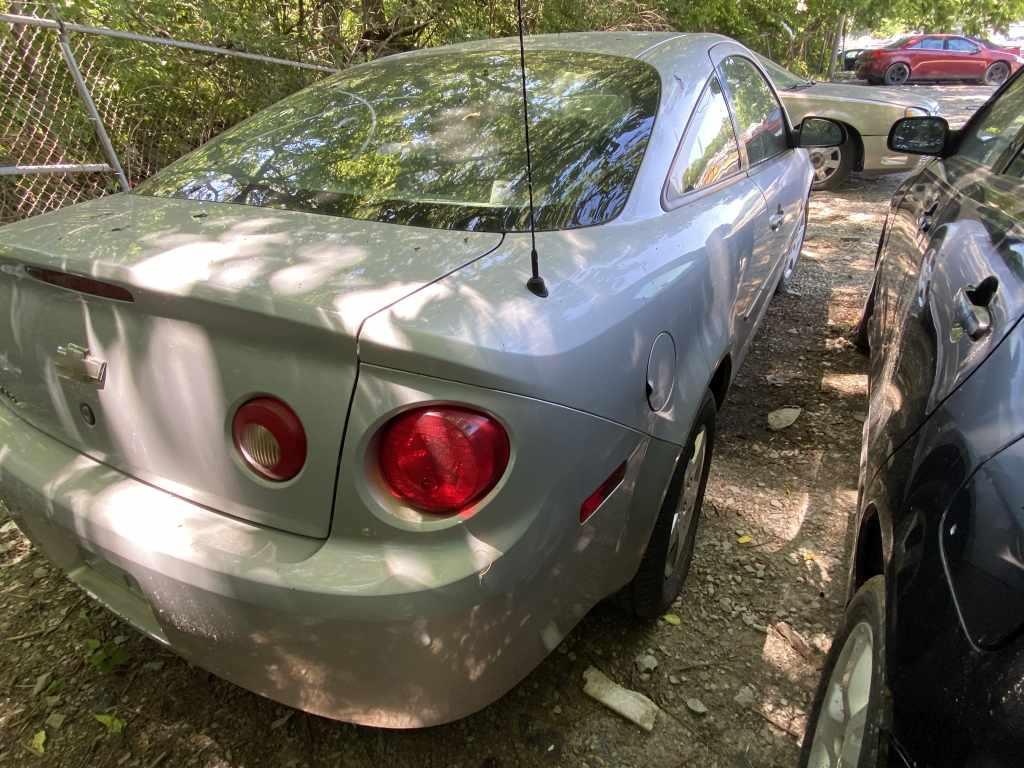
(793, 257)
(897, 74)
(832, 165)
(670, 551)
(851, 706)
(997, 73)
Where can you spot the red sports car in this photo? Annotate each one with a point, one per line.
(938, 57)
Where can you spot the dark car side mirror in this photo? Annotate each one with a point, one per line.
(820, 132)
(919, 136)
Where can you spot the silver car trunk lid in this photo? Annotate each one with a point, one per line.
(227, 302)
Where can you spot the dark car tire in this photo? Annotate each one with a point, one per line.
(997, 73)
(864, 619)
(786, 281)
(659, 579)
(841, 160)
(897, 74)
(874, 81)
(861, 336)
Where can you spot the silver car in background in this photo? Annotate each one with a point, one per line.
(866, 112)
(290, 409)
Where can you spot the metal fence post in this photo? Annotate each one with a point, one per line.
(90, 107)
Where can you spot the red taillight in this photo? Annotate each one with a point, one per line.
(443, 458)
(270, 438)
(604, 490)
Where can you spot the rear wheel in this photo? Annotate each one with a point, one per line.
(670, 551)
(997, 73)
(897, 74)
(850, 710)
(832, 165)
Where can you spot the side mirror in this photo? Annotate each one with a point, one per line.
(820, 132)
(919, 136)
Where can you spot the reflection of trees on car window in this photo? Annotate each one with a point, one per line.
(988, 139)
(437, 140)
(759, 116)
(708, 152)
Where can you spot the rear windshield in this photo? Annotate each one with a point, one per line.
(437, 141)
(897, 44)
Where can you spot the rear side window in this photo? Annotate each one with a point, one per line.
(436, 140)
(929, 44)
(708, 152)
(960, 45)
(987, 139)
(759, 116)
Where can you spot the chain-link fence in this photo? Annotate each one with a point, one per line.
(78, 104)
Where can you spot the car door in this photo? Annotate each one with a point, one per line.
(780, 172)
(963, 59)
(706, 181)
(950, 281)
(926, 58)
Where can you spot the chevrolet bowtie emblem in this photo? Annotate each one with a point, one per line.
(76, 364)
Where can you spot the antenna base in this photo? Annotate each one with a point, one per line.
(537, 286)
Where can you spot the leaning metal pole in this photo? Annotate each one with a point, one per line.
(90, 107)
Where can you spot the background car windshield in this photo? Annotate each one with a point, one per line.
(782, 78)
(437, 141)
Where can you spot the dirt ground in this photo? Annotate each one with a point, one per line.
(733, 678)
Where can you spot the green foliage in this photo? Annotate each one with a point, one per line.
(114, 724)
(105, 657)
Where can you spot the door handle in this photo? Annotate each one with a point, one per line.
(971, 307)
(776, 219)
(925, 222)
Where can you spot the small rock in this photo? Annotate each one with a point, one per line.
(696, 706)
(746, 696)
(153, 666)
(674, 679)
(783, 417)
(55, 720)
(41, 682)
(646, 662)
(39, 573)
(632, 705)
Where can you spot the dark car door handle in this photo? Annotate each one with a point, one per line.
(972, 303)
(776, 219)
(925, 222)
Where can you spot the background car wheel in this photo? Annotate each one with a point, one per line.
(670, 550)
(832, 165)
(997, 73)
(793, 257)
(897, 74)
(851, 705)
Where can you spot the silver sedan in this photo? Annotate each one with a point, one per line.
(290, 408)
(866, 112)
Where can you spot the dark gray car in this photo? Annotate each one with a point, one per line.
(928, 667)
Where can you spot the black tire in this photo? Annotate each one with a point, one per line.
(651, 591)
(997, 73)
(844, 153)
(786, 282)
(897, 74)
(861, 336)
(874, 81)
(866, 608)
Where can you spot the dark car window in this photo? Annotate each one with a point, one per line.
(896, 44)
(929, 44)
(988, 138)
(1016, 168)
(708, 152)
(960, 45)
(759, 116)
(437, 141)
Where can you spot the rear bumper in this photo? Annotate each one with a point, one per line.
(878, 158)
(297, 619)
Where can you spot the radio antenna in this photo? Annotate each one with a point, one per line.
(535, 284)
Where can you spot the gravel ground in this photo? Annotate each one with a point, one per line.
(736, 662)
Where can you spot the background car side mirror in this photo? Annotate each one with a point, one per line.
(820, 132)
(919, 135)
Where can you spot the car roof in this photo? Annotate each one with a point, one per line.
(633, 45)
